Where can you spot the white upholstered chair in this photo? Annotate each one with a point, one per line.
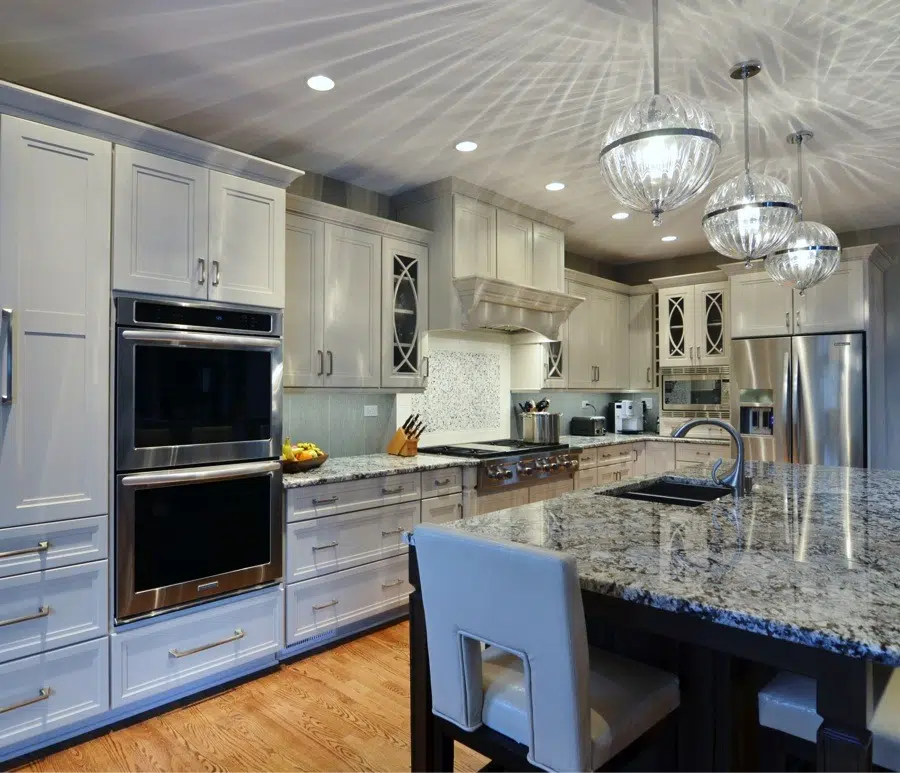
(538, 682)
(788, 705)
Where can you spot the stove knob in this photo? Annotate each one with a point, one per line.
(524, 469)
(568, 463)
(494, 472)
(541, 464)
(554, 465)
(507, 474)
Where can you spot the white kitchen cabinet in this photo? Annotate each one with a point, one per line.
(654, 457)
(515, 248)
(54, 337)
(581, 360)
(161, 225)
(759, 306)
(445, 509)
(693, 325)
(534, 367)
(621, 343)
(404, 309)
(304, 307)
(595, 351)
(246, 244)
(640, 342)
(836, 305)
(474, 237)
(604, 334)
(548, 268)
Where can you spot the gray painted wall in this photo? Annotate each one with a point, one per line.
(589, 266)
(341, 194)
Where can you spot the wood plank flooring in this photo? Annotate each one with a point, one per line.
(343, 709)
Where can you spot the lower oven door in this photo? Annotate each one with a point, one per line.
(183, 536)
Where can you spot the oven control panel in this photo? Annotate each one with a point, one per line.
(497, 473)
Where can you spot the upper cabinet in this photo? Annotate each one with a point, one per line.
(356, 302)
(515, 247)
(183, 230)
(548, 266)
(841, 303)
(693, 324)
(54, 328)
(474, 237)
(642, 362)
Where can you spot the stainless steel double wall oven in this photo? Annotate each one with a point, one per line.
(197, 437)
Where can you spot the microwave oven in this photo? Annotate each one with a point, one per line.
(695, 391)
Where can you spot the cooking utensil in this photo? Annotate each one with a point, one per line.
(409, 422)
(542, 405)
(541, 427)
(522, 407)
(530, 405)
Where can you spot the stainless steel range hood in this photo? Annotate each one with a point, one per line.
(500, 305)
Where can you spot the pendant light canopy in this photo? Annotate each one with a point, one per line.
(660, 154)
(750, 215)
(812, 252)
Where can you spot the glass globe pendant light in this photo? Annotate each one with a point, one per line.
(750, 215)
(812, 252)
(659, 155)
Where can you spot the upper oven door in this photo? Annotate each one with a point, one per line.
(187, 398)
(693, 393)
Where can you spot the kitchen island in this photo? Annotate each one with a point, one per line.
(802, 574)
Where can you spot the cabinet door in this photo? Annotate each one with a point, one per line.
(246, 244)
(474, 238)
(54, 346)
(585, 479)
(613, 473)
(676, 327)
(404, 309)
(712, 338)
(554, 364)
(622, 343)
(640, 342)
(549, 264)
(759, 306)
(836, 305)
(515, 248)
(541, 492)
(580, 363)
(659, 457)
(304, 305)
(161, 225)
(502, 500)
(352, 295)
(603, 336)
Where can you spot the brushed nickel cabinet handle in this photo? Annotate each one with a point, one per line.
(238, 634)
(648, 374)
(392, 532)
(459, 505)
(42, 612)
(42, 547)
(317, 607)
(201, 264)
(325, 501)
(330, 362)
(692, 354)
(798, 320)
(321, 354)
(787, 320)
(391, 584)
(6, 332)
(444, 482)
(215, 273)
(389, 491)
(43, 694)
(326, 546)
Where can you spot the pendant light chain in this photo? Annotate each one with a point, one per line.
(800, 177)
(656, 47)
(746, 124)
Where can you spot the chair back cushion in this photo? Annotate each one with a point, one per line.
(525, 600)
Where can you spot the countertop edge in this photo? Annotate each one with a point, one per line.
(371, 466)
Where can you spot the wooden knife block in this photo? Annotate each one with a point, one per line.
(401, 445)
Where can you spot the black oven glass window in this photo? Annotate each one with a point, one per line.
(185, 533)
(189, 396)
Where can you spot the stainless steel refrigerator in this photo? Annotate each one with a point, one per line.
(801, 399)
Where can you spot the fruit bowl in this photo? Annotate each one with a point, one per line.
(306, 464)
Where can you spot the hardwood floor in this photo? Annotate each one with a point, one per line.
(343, 709)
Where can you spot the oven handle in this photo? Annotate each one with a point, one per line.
(212, 340)
(199, 474)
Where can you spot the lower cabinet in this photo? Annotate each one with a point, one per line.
(654, 457)
(544, 491)
(613, 473)
(502, 500)
(586, 478)
(442, 509)
(44, 693)
(687, 455)
(164, 655)
(317, 608)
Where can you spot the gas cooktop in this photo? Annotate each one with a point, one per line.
(492, 449)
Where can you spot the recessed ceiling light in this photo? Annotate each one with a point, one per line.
(555, 186)
(621, 216)
(669, 238)
(466, 146)
(320, 83)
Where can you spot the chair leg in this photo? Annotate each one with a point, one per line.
(772, 754)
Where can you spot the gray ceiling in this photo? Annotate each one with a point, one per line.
(534, 82)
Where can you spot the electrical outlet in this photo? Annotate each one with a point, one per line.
(370, 410)
(585, 404)
(648, 402)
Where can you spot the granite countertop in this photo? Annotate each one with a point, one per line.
(812, 555)
(372, 466)
(611, 439)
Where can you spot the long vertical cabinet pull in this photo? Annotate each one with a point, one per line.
(215, 273)
(787, 320)
(6, 334)
(321, 354)
(798, 319)
(330, 362)
(201, 264)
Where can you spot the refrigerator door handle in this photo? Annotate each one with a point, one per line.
(795, 412)
(787, 419)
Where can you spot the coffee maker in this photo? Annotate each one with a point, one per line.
(629, 416)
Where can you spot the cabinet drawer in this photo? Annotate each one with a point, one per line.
(436, 483)
(589, 457)
(52, 545)
(613, 473)
(334, 498)
(43, 610)
(324, 545)
(170, 653)
(53, 689)
(323, 605)
(585, 478)
(616, 454)
(544, 491)
(442, 509)
(693, 453)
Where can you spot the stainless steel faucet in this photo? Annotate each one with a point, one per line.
(735, 479)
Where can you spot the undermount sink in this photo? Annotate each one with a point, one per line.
(670, 492)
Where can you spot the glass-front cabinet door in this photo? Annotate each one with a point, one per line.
(555, 375)
(712, 338)
(404, 313)
(676, 327)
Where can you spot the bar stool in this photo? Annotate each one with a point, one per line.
(787, 714)
(508, 655)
